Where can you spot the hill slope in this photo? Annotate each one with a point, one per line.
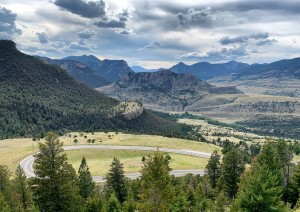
(163, 90)
(79, 71)
(111, 70)
(36, 97)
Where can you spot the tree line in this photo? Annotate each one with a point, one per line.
(270, 182)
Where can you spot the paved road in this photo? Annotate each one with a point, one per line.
(27, 163)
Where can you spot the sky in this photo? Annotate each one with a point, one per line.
(157, 33)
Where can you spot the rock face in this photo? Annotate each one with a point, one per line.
(111, 70)
(163, 90)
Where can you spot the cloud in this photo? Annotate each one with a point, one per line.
(110, 24)
(86, 34)
(7, 24)
(90, 9)
(243, 39)
(125, 32)
(117, 20)
(223, 54)
(195, 17)
(78, 46)
(266, 42)
(43, 38)
(150, 46)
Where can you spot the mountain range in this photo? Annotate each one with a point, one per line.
(163, 89)
(79, 71)
(111, 70)
(138, 69)
(36, 97)
(280, 78)
(204, 70)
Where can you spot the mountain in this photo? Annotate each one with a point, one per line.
(36, 97)
(282, 68)
(280, 78)
(204, 70)
(111, 70)
(163, 90)
(138, 69)
(79, 71)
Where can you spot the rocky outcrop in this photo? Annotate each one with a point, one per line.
(163, 89)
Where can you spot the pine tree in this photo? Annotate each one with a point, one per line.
(156, 192)
(4, 178)
(86, 183)
(294, 189)
(22, 190)
(284, 159)
(55, 186)
(95, 204)
(113, 204)
(213, 168)
(4, 207)
(116, 180)
(259, 191)
(232, 168)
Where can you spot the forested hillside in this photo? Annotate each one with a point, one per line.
(36, 97)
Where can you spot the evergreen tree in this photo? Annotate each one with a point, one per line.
(116, 180)
(113, 204)
(95, 204)
(220, 202)
(86, 183)
(232, 168)
(22, 190)
(157, 192)
(259, 191)
(4, 207)
(55, 186)
(284, 160)
(4, 178)
(213, 168)
(294, 189)
(129, 205)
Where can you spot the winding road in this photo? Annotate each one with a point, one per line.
(27, 163)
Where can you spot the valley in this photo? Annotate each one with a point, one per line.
(149, 106)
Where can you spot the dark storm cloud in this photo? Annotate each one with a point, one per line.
(43, 38)
(115, 21)
(7, 24)
(195, 17)
(243, 39)
(86, 34)
(91, 9)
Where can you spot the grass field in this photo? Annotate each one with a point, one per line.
(12, 151)
(211, 132)
(99, 160)
(112, 138)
